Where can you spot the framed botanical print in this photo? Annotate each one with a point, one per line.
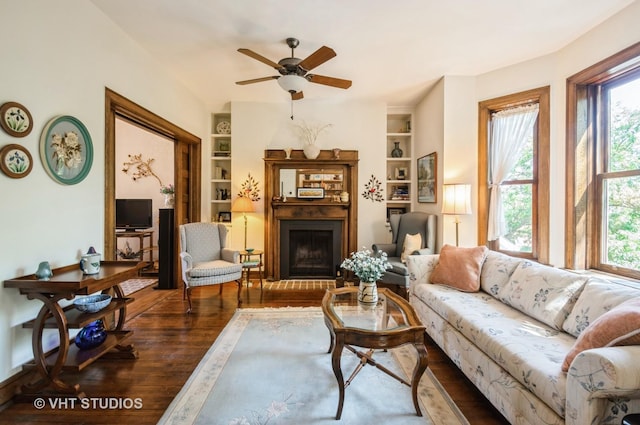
(15, 161)
(428, 178)
(15, 119)
(66, 150)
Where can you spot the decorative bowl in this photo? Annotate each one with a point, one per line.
(249, 250)
(92, 303)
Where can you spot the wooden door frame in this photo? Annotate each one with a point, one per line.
(186, 185)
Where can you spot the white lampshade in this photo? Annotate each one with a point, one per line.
(292, 83)
(456, 199)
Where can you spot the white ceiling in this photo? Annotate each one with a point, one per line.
(393, 50)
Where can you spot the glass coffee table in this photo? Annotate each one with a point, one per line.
(391, 323)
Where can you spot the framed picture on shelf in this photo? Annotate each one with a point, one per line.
(428, 178)
(395, 210)
(310, 193)
(401, 173)
(224, 216)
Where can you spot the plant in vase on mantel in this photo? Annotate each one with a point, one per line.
(368, 268)
(169, 194)
(309, 133)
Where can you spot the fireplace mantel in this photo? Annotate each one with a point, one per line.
(277, 210)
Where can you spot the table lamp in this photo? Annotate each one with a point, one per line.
(456, 201)
(243, 205)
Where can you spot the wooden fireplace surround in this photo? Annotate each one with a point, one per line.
(315, 209)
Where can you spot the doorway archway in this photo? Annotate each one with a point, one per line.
(187, 157)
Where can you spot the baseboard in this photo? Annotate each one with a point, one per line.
(10, 387)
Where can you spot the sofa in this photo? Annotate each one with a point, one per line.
(512, 325)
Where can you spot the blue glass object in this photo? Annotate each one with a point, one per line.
(92, 335)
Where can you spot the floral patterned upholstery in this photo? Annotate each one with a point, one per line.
(515, 359)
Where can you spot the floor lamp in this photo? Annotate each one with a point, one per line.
(243, 205)
(456, 201)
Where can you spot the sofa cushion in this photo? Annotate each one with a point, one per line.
(459, 267)
(542, 292)
(597, 297)
(496, 271)
(619, 326)
(530, 351)
(412, 243)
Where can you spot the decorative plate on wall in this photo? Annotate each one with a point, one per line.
(15, 161)
(223, 127)
(66, 150)
(15, 119)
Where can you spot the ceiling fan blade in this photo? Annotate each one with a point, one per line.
(257, 80)
(297, 95)
(260, 58)
(317, 58)
(329, 81)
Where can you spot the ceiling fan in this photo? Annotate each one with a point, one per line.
(294, 72)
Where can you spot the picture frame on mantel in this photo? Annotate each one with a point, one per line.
(310, 193)
(428, 178)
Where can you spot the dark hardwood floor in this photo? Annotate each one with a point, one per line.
(171, 344)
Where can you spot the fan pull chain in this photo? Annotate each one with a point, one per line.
(292, 109)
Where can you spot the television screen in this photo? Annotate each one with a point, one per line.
(133, 214)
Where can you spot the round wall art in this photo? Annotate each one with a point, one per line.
(66, 150)
(15, 161)
(15, 119)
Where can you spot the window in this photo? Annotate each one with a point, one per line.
(603, 152)
(522, 185)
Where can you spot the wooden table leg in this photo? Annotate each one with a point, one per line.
(421, 365)
(336, 355)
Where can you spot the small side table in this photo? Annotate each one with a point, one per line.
(251, 260)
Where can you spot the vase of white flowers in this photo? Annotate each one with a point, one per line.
(309, 134)
(368, 268)
(169, 195)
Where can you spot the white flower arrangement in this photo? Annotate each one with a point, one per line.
(368, 268)
(66, 150)
(309, 133)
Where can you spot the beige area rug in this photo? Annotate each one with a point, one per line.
(272, 366)
(283, 285)
(133, 285)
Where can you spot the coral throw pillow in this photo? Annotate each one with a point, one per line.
(460, 267)
(411, 243)
(618, 326)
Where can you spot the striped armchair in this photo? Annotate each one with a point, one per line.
(205, 259)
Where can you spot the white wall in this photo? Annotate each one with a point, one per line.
(429, 137)
(62, 56)
(354, 125)
(133, 140)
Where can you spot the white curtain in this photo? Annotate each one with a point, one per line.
(510, 129)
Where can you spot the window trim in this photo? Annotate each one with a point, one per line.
(582, 237)
(485, 108)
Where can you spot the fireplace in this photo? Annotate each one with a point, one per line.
(324, 230)
(309, 248)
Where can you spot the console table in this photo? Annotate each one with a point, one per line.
(66, 283)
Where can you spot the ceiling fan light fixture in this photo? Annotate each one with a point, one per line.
(292, 83)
